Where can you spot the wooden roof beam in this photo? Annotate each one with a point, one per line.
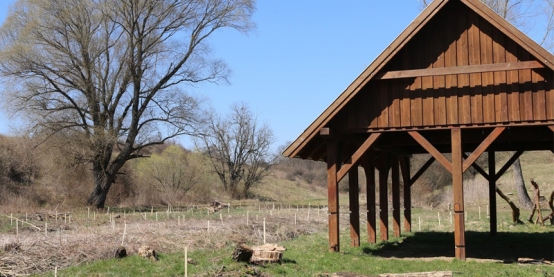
(477, 168)
(507, 165)
(432, 150)
(422, 170)
(482, 147)
(357, 155)
(454, 70)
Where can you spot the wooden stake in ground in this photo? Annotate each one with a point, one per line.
(264, 230)
(186, 261)
(124, 231)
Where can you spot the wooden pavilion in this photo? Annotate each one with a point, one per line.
(460, 79)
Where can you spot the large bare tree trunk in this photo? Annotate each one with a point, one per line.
(104, 176)
(102, 184)
(523, 196)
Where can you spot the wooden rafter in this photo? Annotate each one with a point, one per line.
(478, 168)
(482, 147)
(422, 170)
(432, 150)
(454, 70)
(497, 175)
(507, 165)
(357, 155)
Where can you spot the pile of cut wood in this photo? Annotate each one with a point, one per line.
(267, 253)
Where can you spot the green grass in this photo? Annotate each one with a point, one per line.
(308, 256)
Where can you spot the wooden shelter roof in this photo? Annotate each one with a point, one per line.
(481, 71)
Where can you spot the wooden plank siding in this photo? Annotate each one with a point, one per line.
(475, 99)
(475, 79)
(451, 81)
(549, 93)
(462, 58)
(500, 96)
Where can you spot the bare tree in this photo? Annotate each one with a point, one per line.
(239, 149)
(113, 72)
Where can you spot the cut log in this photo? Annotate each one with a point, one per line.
(515, 209)
(267, 253)
(532, 261)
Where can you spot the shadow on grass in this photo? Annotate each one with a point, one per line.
(288, 261)
(481, 245)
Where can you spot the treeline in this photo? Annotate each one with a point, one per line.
(47, 173)
(35, 173)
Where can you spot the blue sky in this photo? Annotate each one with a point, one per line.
(301, 56)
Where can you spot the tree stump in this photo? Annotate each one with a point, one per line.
(146, 252)
(242, 253)
(267, 253)
(120, 252)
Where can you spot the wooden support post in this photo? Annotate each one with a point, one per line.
(405, 167)
(333, 195)
(492, 193)
(369, 169)
(383, 197)
(458, 192)
(354, 203)
(395, 195)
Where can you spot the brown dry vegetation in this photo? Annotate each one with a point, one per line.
(38, 177)
(90, 237)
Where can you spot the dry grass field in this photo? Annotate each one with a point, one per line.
(26, 248)
(85, 237)
(294, 213)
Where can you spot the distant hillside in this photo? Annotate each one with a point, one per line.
(288, 183)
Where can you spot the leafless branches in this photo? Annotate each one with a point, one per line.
(112, 74)
(239, 148)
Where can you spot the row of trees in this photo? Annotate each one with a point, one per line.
(35, 173)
